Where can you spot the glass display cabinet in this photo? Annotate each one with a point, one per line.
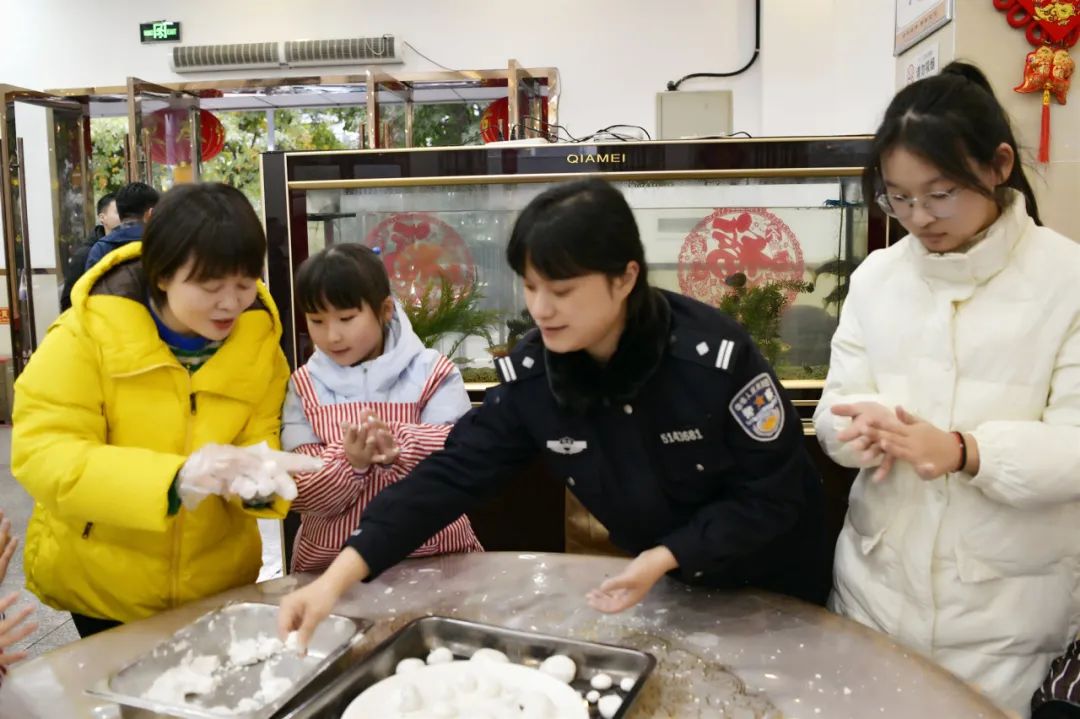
(768, 229)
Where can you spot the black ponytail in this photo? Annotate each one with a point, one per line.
(948, 119)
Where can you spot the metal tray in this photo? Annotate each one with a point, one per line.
(463, 638)
(211, 634)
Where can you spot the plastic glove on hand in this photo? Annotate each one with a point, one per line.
(271, 475)
(209, 470)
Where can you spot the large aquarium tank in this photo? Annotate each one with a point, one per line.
(769, 230)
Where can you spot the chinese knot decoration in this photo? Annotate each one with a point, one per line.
(1052, 26)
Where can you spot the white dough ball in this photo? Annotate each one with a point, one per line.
(286, 489)
(265, 485)
(440, 655)
(593, 696)
(559, 666)
(292, 642)
(408, 699)
(602, 682)
(489, 655)
(245, 488)
(626, 684)
(409, 665)
(608, 705)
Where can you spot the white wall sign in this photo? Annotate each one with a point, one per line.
(915, 19)
(926, 63)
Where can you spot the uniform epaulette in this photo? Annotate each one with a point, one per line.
(712, 350)
(525, 360)
(701, 335)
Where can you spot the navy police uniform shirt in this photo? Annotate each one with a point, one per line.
(684, 439)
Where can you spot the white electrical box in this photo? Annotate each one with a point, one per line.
(682, 115)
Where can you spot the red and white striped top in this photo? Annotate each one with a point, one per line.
(331, 500)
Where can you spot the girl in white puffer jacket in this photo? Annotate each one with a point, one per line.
(954, 385)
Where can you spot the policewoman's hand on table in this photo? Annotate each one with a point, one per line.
(303, 610)
(630, 586)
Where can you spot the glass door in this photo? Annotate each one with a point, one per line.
(47, 209)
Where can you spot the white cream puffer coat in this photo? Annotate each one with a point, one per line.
(981, 574)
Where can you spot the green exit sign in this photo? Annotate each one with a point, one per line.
(161, 31)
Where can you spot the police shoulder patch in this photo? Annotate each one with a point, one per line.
(759, 409)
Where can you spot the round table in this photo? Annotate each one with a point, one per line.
(735, 652)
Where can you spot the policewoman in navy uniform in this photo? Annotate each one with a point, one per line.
(657, 411)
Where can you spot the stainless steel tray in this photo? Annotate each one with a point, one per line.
(212, 634)
(463, 638)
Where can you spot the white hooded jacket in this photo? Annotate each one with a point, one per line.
(981, 574)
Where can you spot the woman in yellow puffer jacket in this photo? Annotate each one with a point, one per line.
(171, 344)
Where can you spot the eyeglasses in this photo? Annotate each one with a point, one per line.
(939, 205)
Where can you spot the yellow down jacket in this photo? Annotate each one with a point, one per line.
(104, 418)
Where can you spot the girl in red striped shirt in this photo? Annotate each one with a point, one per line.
(371, 402)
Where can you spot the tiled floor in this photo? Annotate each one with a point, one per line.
(55, 628)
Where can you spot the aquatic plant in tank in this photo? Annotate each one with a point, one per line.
(841, 269)
(443, 310)
(758, 309)
(516, 327)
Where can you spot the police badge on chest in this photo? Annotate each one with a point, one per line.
(567, 445)
(758, 409)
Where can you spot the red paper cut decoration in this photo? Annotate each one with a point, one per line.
(418, 249)
(749, 240)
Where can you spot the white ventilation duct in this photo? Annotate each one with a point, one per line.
(380, 49)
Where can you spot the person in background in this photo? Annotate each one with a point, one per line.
(657, 411)
(954, 385)
(134, 204)
(108, 216)
(14, 628)
(371, 402)
(107, 221)
(139, 403)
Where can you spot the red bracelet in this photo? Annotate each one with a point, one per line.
(963, 451)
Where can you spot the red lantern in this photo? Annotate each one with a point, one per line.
(495, 121)
(170, 134)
